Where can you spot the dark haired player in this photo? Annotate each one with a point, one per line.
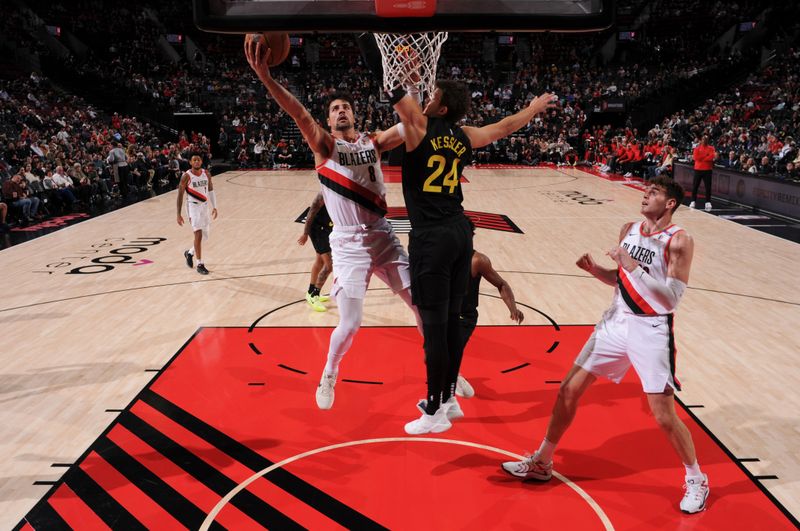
(362, 242)
(653, 260)
(199, 189)
(440, 244)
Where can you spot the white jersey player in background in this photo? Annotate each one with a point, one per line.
(653, 260)
(199, 189)
(362, 241)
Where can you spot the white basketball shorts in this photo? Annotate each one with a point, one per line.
(623, 339)
(199, 217)
(359, 251)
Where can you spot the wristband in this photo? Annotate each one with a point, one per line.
(396, 95)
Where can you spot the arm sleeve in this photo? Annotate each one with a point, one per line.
(666, 294)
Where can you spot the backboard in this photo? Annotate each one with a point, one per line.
(402, 16)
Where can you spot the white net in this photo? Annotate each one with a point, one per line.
(410, 59)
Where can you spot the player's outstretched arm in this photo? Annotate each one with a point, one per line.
(319, 140)
(485, 269)
(389, 139)
(415, 123)
(483, 136)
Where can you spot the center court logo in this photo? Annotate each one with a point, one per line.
(103, 256)
(566, 196)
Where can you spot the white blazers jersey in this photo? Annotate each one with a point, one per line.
(651, 251)
(352, 183)
(197, 188)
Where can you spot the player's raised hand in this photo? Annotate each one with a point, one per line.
(586, 262)
(544, 103)
(257, 53)
(622, 258)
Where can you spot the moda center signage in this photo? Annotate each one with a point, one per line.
(102, 257)
(765, 193)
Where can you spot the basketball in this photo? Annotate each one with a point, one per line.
(276, 41)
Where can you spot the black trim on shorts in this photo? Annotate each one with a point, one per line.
(672, 351)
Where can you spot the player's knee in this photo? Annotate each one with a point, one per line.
(568, 393)
(665, 417)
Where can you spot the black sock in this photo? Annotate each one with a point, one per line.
(315, 292)
(311, 288)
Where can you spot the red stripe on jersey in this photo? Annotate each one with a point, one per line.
(353, 186)
(637, 298)
(197, 195)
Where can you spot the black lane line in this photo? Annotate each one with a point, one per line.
(256, 383)
(114, 410)
(43, 501)
(321, 501)
(101, 502)
(153, 486)
(61, 465)
(45, 517)
(366, 382)
(282, 366)
(43, 482)
(748, 459)
(695, 406)
(552, 381)
(515, 368)
(254, 349)
(553, 347)
(152, 370)
(759, 478)
(248, 503)
(792, 518)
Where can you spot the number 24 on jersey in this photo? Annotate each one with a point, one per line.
(450, 180)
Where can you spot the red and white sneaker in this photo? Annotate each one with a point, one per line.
(530, 468)
(694, 499)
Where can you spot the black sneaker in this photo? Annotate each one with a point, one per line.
(188, 256)
(201, 268)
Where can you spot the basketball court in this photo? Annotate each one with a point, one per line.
(139, 394)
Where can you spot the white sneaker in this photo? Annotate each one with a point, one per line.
(452, 409)
(463, 388)
(325, 393)
(694, 500)
(691, 205)
(708, 206)
(530, 468)
(436, 423)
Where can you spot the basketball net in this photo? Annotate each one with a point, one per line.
(410, 59)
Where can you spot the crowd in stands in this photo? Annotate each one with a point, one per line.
(61, 147)
(58, 154)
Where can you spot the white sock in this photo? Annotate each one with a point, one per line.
(191, 251)
(200, 262)
(546, 451)
(351, 311)
(693, 471)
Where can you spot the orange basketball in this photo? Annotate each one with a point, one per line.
(276, 41)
